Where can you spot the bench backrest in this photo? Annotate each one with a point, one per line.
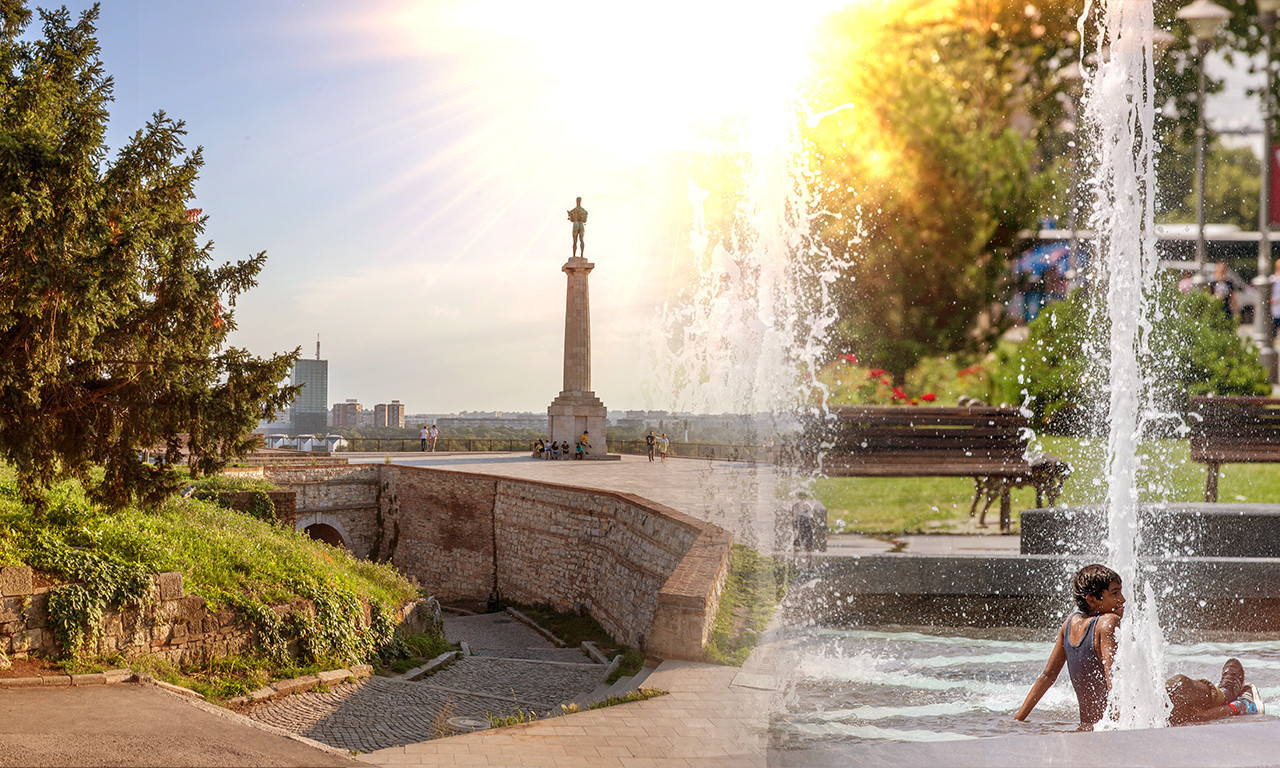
(1235, 429)
(981, 433)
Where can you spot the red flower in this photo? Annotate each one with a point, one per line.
(875, 372)
(851, 359)
(928, 397)
(886, 381)
(898, 394)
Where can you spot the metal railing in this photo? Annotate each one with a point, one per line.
(413, 444)
(717, 451)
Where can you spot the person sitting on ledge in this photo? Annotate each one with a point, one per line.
(579, 454)
(1087, 645)
(564, 450)
(555, 450)
(538, 448)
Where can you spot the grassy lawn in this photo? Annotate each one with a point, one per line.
(888, 506)
(98, 559)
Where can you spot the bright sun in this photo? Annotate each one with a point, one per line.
(637, 78)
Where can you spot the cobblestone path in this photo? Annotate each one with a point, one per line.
(514, 667)
(542, 684)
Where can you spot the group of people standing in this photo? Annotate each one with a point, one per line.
(660, 444)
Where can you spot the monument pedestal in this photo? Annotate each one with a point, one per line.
(577, 408)
(571, 413)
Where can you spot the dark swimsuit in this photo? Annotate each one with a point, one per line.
(1087, 675)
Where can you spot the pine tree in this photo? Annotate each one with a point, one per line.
(113, 320)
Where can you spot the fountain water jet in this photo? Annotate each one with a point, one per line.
(1120, 108)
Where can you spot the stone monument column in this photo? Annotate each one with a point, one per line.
(577, 408)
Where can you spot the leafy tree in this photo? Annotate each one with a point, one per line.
(112, 320)
(931, 168)
(1233, 176)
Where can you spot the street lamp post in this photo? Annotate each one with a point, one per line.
(1205, 19)
(1072, 77)
(1263, 330)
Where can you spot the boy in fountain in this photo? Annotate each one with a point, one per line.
(1087, 645)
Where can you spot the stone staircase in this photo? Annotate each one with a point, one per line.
(504, 656)
(624, 685)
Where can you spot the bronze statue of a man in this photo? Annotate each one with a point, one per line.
(578, 216)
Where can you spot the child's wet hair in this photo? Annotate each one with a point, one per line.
(1091, 580)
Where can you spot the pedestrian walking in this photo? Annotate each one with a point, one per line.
(663, 445)
(433, 433)
(424, 435)
(651, 442)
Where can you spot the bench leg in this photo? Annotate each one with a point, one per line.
(1006, 513)
(1211, 483)
(977, 495)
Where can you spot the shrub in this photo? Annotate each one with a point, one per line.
(1059, 372)
(952, 377)
(849, 383)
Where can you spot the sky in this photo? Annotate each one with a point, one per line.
(407, 165)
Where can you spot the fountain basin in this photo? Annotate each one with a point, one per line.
(1228, 594)
(1168, 530)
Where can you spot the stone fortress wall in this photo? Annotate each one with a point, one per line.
(650, 575)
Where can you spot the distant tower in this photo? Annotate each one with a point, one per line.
(311, 408)
(577, 408)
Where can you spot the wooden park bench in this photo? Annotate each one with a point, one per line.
(1233, 430)
(986, 443)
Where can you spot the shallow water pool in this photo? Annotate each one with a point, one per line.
(905, 685)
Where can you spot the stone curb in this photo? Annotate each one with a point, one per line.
(109, 677)
(517, 614)
(305, 683)
(594, 653)
(613, 665)
(439, 662)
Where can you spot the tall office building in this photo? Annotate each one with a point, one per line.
(389, 414)
(311, 408)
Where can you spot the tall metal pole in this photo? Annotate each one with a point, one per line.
(1202, 45)
(1263, 331)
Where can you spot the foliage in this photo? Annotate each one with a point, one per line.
(955, 376)
(930, 179)
(1233, 176)
(755, 586)
(412, 650)
(112, 320)
(1193, 350)
(97, 580)
(847, 383)
(222, 677)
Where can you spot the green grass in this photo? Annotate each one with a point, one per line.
(422, 647)
(755, 586)
(889, 506)
(221, 553)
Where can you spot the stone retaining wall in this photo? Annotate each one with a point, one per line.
(650, 575)
(171, 625)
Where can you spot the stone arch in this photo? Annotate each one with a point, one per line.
(326, 528)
